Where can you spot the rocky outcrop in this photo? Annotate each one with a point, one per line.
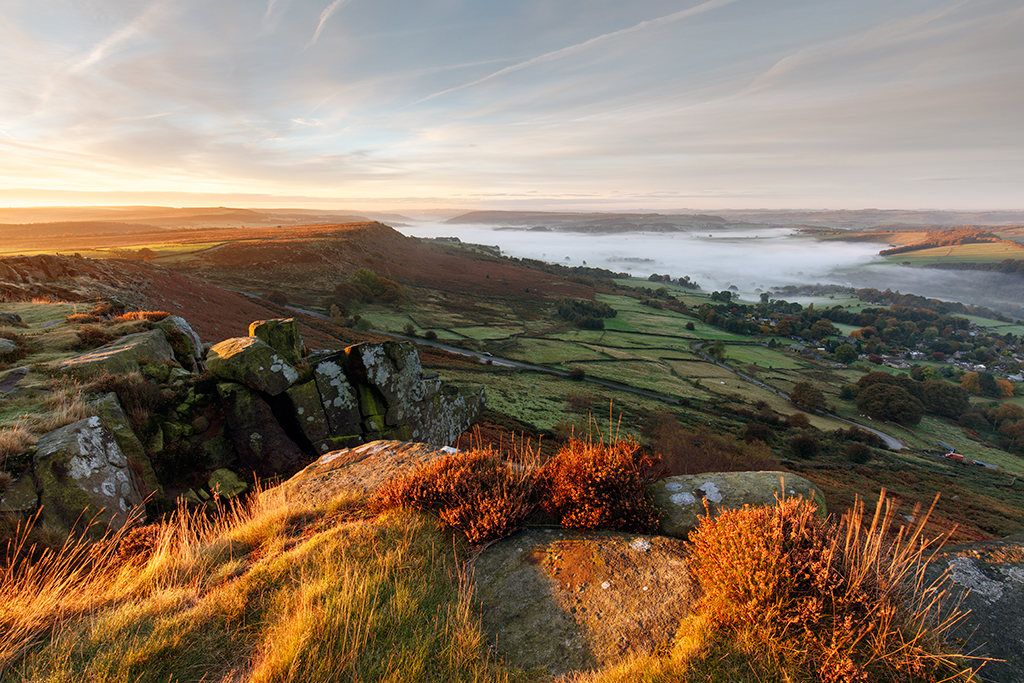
(252, 362)
(362, 468)
(81, 473)
(259, 440)
(987, 581)
(20, 496)
(568, 601)
(682, 498)
(193, 345)
(9, 380)
(367, 392)
(108, 408)
(258, 415)
(282, 335)
(123, 355)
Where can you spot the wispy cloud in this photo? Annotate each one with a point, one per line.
(578, 47)
(133, 30)
(324, 16)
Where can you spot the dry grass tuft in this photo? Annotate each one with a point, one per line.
(15, 440)
(265, 590)
(82, 318)
(64, 405)
(837, 602)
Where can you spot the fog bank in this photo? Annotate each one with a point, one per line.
(751, 259)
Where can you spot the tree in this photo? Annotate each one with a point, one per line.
(890, 402)
(717, 351)
(944, 399)
(845, 354)
(805, 395)
(823, 328)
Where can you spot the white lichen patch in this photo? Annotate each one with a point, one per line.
(673, 486)
(711, 492)
(682, 498)
(964, 572)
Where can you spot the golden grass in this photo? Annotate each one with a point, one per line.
(15, 440)
(65, 404)
(270, 590)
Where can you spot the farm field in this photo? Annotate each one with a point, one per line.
(976, 253)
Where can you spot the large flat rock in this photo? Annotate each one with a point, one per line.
(682, 498)
(987, 579)
(123, 355)
(362, 468)
(562, 601)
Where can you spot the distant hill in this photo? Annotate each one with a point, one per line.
(591, 222)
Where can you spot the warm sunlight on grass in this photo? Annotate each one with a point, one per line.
(268, 591)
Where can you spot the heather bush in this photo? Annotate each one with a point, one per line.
(858, 453)
(592, 485)
(838, 604)
(152, 316)
(475, 491)
(682, 451)
(805, 446)
(89, 337)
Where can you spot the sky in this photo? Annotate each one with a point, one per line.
(523, 104)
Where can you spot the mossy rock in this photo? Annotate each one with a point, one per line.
(282, 335)
(252, 362)
(123, 355)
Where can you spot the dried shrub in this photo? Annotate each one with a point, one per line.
(137, 545)
(591, 485)
(579, 401)
(152, 316)
(138, 396)
(682, 451)
(798, 421)
(5, 481)
(82, 318)
(475, 491)
(858, 453)
(105, 309)
(89, 337)
(843, 605)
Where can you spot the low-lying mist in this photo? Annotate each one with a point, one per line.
(750, 259)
